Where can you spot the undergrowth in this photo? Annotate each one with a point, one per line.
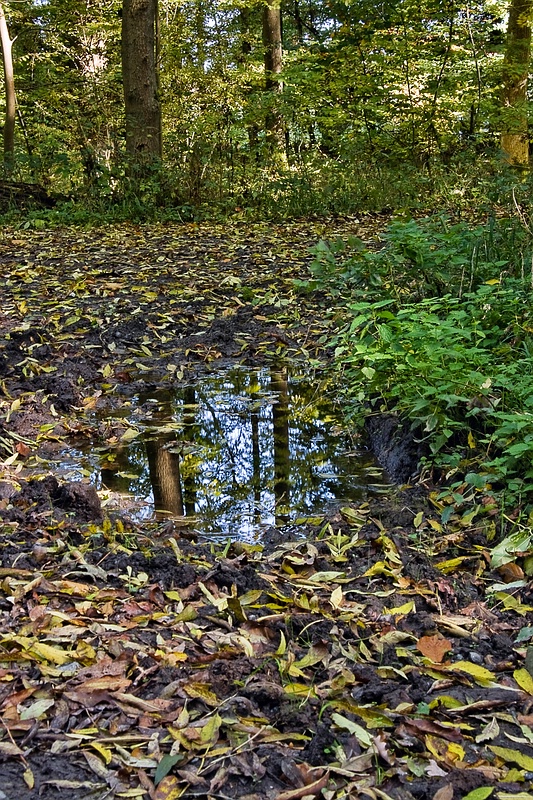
(311, 185)
(435, 324)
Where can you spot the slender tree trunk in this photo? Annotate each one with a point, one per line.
(272, 42)
(140, 81)
(11, 104)
(514, 139)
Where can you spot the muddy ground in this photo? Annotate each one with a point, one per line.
(371, 652)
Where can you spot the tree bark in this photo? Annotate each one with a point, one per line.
(11, 103)
(140, 82)
(272, 42)
(514, 138)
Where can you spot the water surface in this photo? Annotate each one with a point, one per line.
(236, 452)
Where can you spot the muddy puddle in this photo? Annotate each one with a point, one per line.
(239, 451)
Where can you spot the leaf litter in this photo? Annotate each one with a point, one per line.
(371, 651)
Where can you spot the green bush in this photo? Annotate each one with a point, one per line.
(436, 329)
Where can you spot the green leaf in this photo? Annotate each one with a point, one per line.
(165, 765)
(362, 736)
(479, 794)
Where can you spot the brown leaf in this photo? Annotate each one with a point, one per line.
(434, 647)
(426, 726)
(110, 683)
(311, 789)
(291, 771)
(193, 779)
(444, 793)
(510, 572)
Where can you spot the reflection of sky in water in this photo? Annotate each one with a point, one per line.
(213, 445)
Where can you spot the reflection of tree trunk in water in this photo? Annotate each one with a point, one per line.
(280, 419)
(256, 462)
(165, 476)
(189, 434)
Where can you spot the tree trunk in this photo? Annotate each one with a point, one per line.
(514, 139)
(11, 104)
(140, 81)
(272, 42)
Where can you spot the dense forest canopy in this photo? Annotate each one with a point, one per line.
(227, 93)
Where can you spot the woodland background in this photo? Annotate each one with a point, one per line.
(308, 106)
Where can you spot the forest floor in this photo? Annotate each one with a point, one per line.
(371, 653)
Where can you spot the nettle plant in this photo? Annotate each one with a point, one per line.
(436, 330)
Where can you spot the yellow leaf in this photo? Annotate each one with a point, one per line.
(29, 778)
(85, 651)
(324, 577)
(172, 658)
(299, 690)
(507, 754)
(46, 652)
(128, 435)
(315, 655)
(451, 564)
(173, 595)
(202, 692)
(514, 795)
(337, 597)
(104, 751)
(471, 441)
(389, 548)
(512, 603)
(480, 674)
(455, 752)
(401, 611)
(379, 568)
(524, 680)
(36, 710)
(282, 645)
(362, 735)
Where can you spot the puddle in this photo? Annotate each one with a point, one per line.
(237, 452)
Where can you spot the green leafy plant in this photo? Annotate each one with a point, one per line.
(436, 330)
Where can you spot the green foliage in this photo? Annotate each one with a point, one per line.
(435, 328)
(382, 106)
(416, 260)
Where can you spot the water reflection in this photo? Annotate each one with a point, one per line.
(238, 451)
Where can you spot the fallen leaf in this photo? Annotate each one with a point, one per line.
(168, 789)
(444, 793)
(434, 647)
(309, 790)
(524, 679)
